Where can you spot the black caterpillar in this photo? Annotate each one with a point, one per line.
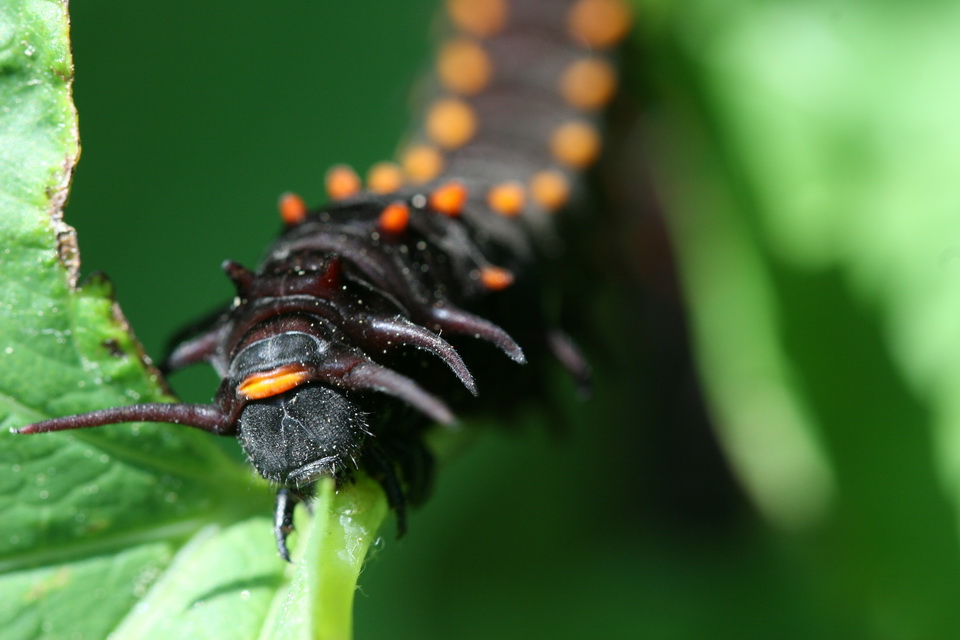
(318, 377)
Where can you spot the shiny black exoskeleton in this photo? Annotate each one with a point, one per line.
(314, 354)
(311, 351)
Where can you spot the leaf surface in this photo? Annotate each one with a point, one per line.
(138, 530)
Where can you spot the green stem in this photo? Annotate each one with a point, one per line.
(318, 605)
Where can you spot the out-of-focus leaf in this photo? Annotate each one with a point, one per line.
(811, 151)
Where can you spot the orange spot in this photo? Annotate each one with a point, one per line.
(422, 163)
(481, 18)
(588, 83)
(507, 198)
(464, 67)
(451, 123)
(342, 182)
(265, 384)
(602, 23)
(449, 198)
(293, 210)
(394, 218)
(384, 177)
(550, 188)
(575, 144)
(495, 278)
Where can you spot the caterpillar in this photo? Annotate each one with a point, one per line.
(358, 330)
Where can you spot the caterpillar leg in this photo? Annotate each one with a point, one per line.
(287, 500)
(195, 343)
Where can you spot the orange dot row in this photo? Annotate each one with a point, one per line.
(599, 24)
(508, 198)
(342, 181)
(549, 188)
(447, 199)
(452, 123)
(577, 145)
(464, 68)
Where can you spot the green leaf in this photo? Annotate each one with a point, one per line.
(221, 584)
(145, 530)
(810, 154)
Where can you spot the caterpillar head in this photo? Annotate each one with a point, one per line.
(298, 436)
(293, 428)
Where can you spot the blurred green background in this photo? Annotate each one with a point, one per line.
(804, 157)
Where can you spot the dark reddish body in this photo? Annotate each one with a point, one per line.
(321, 353)
(351, 307)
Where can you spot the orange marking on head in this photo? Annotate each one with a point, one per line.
(575, 144)
(451, 123)
(495, 278)
(588, 83)
(449, 198)
(550, 188)
(481, 18)
(265, 384)
(293, 210)
(384, 177)
(602, 23)
(342, 182)
(394, 218)
(507, 198)
(464, 67)
(422, 163)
